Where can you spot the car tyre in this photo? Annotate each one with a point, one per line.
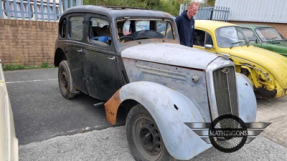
(65, 80)
(144, 138)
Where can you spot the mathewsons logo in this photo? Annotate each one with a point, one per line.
(228, 133)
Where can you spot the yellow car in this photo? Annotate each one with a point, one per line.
(265, 69)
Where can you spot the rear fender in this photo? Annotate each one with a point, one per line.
(170, 109)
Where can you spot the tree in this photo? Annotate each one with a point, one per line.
(210, 2)
(170, 6)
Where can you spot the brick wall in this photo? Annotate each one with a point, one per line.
(280, 27)
(27, 42)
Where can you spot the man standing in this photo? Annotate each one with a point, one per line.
(185, 24)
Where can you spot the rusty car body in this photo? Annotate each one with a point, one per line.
(127, 59)
(8, 141)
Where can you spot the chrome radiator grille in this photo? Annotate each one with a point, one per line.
(225, 90)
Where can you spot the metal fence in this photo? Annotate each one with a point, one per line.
(38, 10)
(209, 12)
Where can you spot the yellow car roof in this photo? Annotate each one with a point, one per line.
(211, 25)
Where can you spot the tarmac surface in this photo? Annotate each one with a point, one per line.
(50, 127)
(40, 111)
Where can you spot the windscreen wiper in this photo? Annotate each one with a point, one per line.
(276, 41)
(235, 43)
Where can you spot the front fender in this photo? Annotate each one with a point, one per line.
(170, 109)
(246, 99)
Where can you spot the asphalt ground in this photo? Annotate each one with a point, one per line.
(50, 127)
(40, 111)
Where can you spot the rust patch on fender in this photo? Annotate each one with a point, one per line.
(112, 106)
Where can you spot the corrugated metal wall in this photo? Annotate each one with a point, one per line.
(256, 10)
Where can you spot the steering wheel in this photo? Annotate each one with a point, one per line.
(144, 37)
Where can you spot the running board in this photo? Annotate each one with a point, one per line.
(99, 104)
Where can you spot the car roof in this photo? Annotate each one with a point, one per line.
(252, 26)
(212, 25)
(117, 11)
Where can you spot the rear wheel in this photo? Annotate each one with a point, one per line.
(143, 136)
(65, 80)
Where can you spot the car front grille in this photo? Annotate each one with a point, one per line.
(225, 90)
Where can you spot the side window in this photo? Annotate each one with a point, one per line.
(99, 32)
(76, 28)
(249, 34)
(199, 37)
(62, 28)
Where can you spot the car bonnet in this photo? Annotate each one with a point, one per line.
(170, 54)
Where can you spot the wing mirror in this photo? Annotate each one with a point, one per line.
(208, 46)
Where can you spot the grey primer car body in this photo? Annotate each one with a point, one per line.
(174, 83)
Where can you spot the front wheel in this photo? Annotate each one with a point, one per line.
(65, 80)
(144, 138)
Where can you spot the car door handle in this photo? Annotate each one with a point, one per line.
(80, 50)
(112, 58)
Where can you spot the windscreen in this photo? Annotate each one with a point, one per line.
(230, 36)
(137, 29)
(268, 34)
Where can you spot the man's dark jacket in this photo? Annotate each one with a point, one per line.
(185, 28)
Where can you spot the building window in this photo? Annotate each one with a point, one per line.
(11, 7)
(45, 12)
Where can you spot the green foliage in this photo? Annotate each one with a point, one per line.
(14, 66)
(45, 65)
(170, 6)
(210, 2)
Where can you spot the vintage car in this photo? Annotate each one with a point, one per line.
(265, 37)
(123, 57)
(8, 140)
(265, 69)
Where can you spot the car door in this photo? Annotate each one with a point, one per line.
(101, 61)
(74, 50)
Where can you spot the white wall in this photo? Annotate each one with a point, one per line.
(256, 10)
